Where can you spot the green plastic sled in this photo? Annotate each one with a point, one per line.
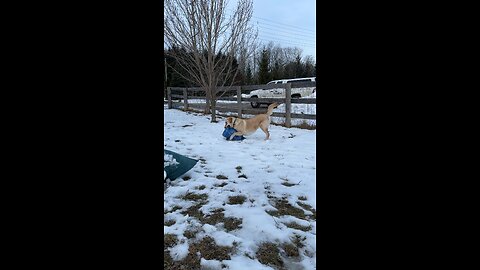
(183, 166)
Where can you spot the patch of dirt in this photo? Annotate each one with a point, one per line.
(297, 226)
(190, 233)
(169, 223)
(297, 240)
(186, 178)
(194, 211)
(269, 254)
(284, 208)
(217, 216)
(287, 184)
(240, 199)
(168, 262)
(211, 251)
(174, 208)
(202, 187)
(302, 198)
(243, 176)
(232, 223)
(222, 184)
(309, 208)
(290, 250)
(195, 197)
(222, 177)
(169, 240)
(191, 262)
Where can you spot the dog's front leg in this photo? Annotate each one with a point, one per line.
(235, 134)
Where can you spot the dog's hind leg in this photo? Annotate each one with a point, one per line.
(265, 129)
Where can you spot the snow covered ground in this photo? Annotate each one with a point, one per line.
(246, 204)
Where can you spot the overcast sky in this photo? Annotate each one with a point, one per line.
(286, 22)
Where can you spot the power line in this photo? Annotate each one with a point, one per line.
(279, 30)
(284, 41)
(289, 36)
(296, 27)
(289, 40)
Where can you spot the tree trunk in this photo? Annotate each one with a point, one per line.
(214, 113)
(207, 101)
(213, 103)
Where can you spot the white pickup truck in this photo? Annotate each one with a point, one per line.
(280, 92)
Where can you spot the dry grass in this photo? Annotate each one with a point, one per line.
(169, 240)
(297, 226)
(240, 199)
(174, 208)
(297, 240)
(169, 222)
(205, 248)
(222, 184)
(194, 211)
(309, 208)
(222, 177)
(286, 209)
(211, 251)
(190, 233)
(232, 223)
(291, 250)
(217, 216)
(195, 197)
(269, 254)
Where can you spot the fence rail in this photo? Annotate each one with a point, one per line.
(228, 94)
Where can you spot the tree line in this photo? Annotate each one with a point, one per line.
(269, 62)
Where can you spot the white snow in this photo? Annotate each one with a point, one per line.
(169, 160)
(289, 156)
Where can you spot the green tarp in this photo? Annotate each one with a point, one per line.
(184, 164)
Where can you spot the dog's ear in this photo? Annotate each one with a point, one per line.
(229, 119)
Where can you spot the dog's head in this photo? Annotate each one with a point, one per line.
(229, 122)
(275, 105)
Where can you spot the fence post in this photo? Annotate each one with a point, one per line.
(169, 97)
(239, 101)
(185, 99)
(288, 105)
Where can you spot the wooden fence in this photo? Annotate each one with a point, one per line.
(228, 93)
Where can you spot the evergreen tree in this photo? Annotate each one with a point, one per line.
(263, 71)
(249, 75)
(299, 68)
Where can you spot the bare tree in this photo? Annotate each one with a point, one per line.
(212, 39)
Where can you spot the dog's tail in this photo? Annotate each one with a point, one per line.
(271, 107)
